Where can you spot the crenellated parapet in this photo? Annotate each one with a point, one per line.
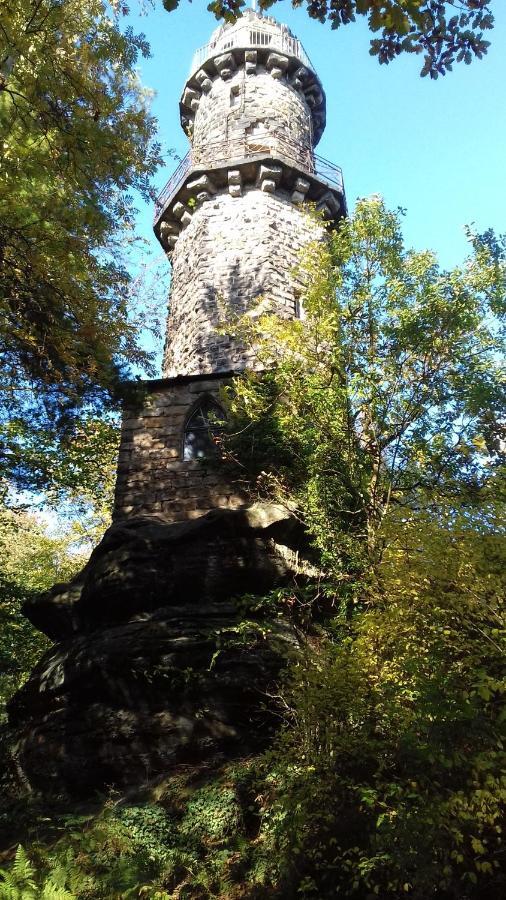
(228, 75)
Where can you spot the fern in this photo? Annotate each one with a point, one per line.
(18, 882)
(70, 878)
(53, 891)
(76, 879)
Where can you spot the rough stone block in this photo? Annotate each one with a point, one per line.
(235, 183)
(204, 80)
(250, 62)
(202, 183)
(301, 74)
(316, 95)
(329, 204)
(178, 209)
(277, 61)
(225, 64)
(189, 97)
(302, 185)
(300, 190)
(273, 172)
(167, 228)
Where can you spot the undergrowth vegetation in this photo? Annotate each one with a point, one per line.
(195, 835)
(386, 777)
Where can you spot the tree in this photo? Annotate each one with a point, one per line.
(78, 141)
(31, 561)
(387, 394)
(388, 778)
(379, 417)
(445, 31)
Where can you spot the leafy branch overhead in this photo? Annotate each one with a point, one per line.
(445, 31)
(77, 141)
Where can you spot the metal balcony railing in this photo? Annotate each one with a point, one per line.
(251, 36)
(253, 147)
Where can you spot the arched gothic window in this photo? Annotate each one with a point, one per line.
(206, 420)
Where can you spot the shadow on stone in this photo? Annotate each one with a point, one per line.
(155, 665)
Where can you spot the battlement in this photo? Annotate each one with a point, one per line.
(259, 66)
(251, 31)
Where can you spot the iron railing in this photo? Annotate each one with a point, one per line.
(173, 184)
(251, 36)
(252, 147)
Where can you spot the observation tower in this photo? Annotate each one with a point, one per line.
(232, 223)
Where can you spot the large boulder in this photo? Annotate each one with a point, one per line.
(158, 663)
(145, 563)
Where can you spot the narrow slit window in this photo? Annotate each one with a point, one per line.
(203, 426)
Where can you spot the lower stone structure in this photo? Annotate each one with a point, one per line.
(153, 476)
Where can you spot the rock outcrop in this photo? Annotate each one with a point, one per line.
(156, 661)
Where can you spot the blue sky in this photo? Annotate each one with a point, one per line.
(437, 148)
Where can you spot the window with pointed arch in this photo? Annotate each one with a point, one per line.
(204, 422)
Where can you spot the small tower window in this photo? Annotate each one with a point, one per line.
(235, 95)
(205, 422)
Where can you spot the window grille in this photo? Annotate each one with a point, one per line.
(204, 424)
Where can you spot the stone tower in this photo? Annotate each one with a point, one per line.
(232, 224)
(142, 677)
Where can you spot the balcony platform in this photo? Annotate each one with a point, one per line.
(216, 162)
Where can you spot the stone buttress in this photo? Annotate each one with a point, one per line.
(232, 224)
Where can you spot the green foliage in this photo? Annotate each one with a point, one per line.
(18, 883)
(445, 32)
(386, 401)
(389, 778)
(77, 140)
(150, 829)
(212, 814)
(31, 561)
(190, 842)
(387, 394)
(78, 469)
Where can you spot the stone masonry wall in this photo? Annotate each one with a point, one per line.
(247, 106)
(233, 250)
(153, 478)
(233, 228)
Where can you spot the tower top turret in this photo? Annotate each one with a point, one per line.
(254, 40)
